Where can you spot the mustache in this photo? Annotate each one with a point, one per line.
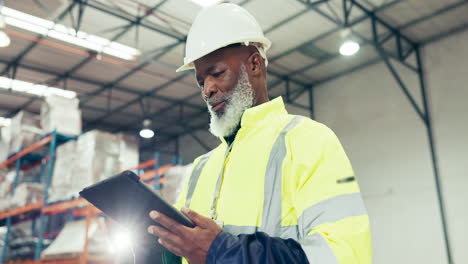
(218, 99)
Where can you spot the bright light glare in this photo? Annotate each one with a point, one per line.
(120, 241)
(5, 121)
(4, 39)
(35, 89)
(206, 3)
(349, 48)
(49, 28)
(146, 133)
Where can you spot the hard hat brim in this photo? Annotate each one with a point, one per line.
(186, 67)
(189, 65)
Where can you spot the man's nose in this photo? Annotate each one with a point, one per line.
(209, 88)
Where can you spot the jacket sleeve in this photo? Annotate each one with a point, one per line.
(332, 219)
(254, 248)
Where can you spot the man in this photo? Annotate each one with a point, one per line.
(279, 188)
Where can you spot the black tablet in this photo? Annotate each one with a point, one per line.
(128, 200)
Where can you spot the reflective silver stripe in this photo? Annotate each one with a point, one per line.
(331, 210)
(285, 231)
(271, 216)
(237, 230)
(317, 249)
(328, 211)
(214, 203)
(194, 177)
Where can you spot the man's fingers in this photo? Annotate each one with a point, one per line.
(172, 248)
(199, 220)
(159, 231)
(167, 222)
(166, 236)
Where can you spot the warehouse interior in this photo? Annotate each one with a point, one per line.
(102, 71)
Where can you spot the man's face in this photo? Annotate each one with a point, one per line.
(225, 86)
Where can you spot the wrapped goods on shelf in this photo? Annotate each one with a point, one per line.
(5, 139)
(6, 183)
(60, 102)
(33, 174)
(22, 243)
(92, 168)
(71, 240)
(26, 193)
(5, 133)
(3, 231)
(4, 150)
(66, 123)
(17, 233)
(62, 114)
(97, 158)
(62, 180)
(100, 141)
(129, 154)
(24, 130)
(174, 179)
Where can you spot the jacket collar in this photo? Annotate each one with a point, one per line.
(258, 115)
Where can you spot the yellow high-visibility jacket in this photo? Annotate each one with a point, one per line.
(287, 176)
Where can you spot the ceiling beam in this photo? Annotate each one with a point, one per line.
(97, 83)
(31, 46)
(92, 56)
(105, 9)
(327, 34)
(452, 31)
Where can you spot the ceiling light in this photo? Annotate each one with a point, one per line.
(146, 131)
(4, 39)
(34, 89)
(206, 3)
(49, 28)
(349, 48)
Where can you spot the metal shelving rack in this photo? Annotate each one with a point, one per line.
(149, 171)
(30, 157)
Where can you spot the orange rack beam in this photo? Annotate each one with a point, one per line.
(147, 175)
(25, 151)
(64, 206)
(21, 210)
(145, 164)
(24, 262)
(76, 260)
(150, 174)
(80, 202)
(86, 210)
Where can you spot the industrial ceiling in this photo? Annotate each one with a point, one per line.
(117, 94)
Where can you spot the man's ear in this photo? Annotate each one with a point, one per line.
(255, 64)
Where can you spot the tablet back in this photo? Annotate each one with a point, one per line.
(128, 200)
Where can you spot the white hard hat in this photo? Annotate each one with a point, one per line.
(219, 26)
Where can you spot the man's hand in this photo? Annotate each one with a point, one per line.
(190, 243)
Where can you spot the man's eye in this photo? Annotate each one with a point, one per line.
(217, 74)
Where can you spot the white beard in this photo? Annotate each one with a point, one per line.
(241, 99)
